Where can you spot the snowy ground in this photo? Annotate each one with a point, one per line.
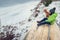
(12, 15)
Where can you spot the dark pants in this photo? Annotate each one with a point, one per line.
(42, 22)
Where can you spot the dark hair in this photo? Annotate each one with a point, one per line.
(52, 10)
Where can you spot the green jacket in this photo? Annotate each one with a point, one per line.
(52, 18)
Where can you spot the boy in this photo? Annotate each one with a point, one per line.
(49, 19)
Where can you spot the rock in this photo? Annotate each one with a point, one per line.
(42, 32)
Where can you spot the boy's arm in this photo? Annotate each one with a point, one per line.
(47, 13)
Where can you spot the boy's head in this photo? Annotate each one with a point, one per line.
(52, 10)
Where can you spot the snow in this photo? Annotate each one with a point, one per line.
(12, 15)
